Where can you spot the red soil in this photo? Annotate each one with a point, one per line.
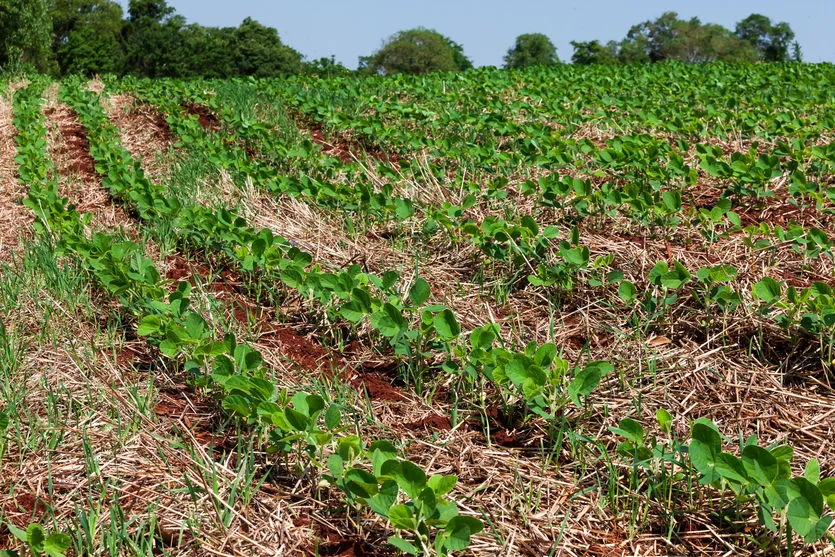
(432, 422)
(205, 116)
(75, 148)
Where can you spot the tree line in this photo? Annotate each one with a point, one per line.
(62, 37)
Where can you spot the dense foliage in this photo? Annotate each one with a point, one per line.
(531, 49)
(416, 51)
(89, 37)
(671, 38)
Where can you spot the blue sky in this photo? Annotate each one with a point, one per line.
(487, 28)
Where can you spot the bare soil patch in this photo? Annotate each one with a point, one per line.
(205, 116)
(69, 148)
(143, 131)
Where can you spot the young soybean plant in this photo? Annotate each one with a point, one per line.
(400, 492)
(761, 476)
(38, 542)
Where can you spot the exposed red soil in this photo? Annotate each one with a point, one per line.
(377, 387)
(74, 150)
(432, 422)
(336, 149)
(206, 117)
(301, 350)
(70, 151)
(180, 404)
(14, 217)
(334, 544)
(24, 509)
(347, 147)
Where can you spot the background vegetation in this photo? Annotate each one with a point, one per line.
(89, 37)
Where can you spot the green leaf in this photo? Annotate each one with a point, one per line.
(442, 485)
(385, 498)
(705, 448)
(35, 537)
(483, 337)
(389, 321)
(731, 469)
(408, 476)
(333, 416)
(403, 545)
(586, 380)
(419, 292)
(760, 464)
(672, 200)
(4, 421)
(56, 544)
(237, 404)
(149, 325)
(827, 489)
(630, 430)
(361, 483)
(768, 290)
(665, 420)
(401, 517)
(812, 472)
(459, 530)
(806, 521)
(447, 326)
(627, 291)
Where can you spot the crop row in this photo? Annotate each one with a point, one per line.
(369, 475)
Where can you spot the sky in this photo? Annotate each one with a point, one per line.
(487, 28)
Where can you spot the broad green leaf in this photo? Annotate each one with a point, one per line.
(705, 448)
(459, 530)
(333, 416)
(419, 292)
(56, 544)
(665, 420)
(385, 498)
(401, 517)
(731, 469)
(35, 537)
(404, 546)
(237, 404)
(442, 485)
(627, 291)
(812, 472)
(768, 290)
(827, 488)
(447, 325)
(408, 476)
(760, 464)
(630, 430)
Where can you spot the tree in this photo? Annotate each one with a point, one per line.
(208, 51)
(416, 51)
(258, 51)
(671, 38)
(697, 42)
(531, 49)
(771, 41)
(86, 36)
(25, 35)
(153, 41)
(650, 41)
(592, 52)
(325, 66)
